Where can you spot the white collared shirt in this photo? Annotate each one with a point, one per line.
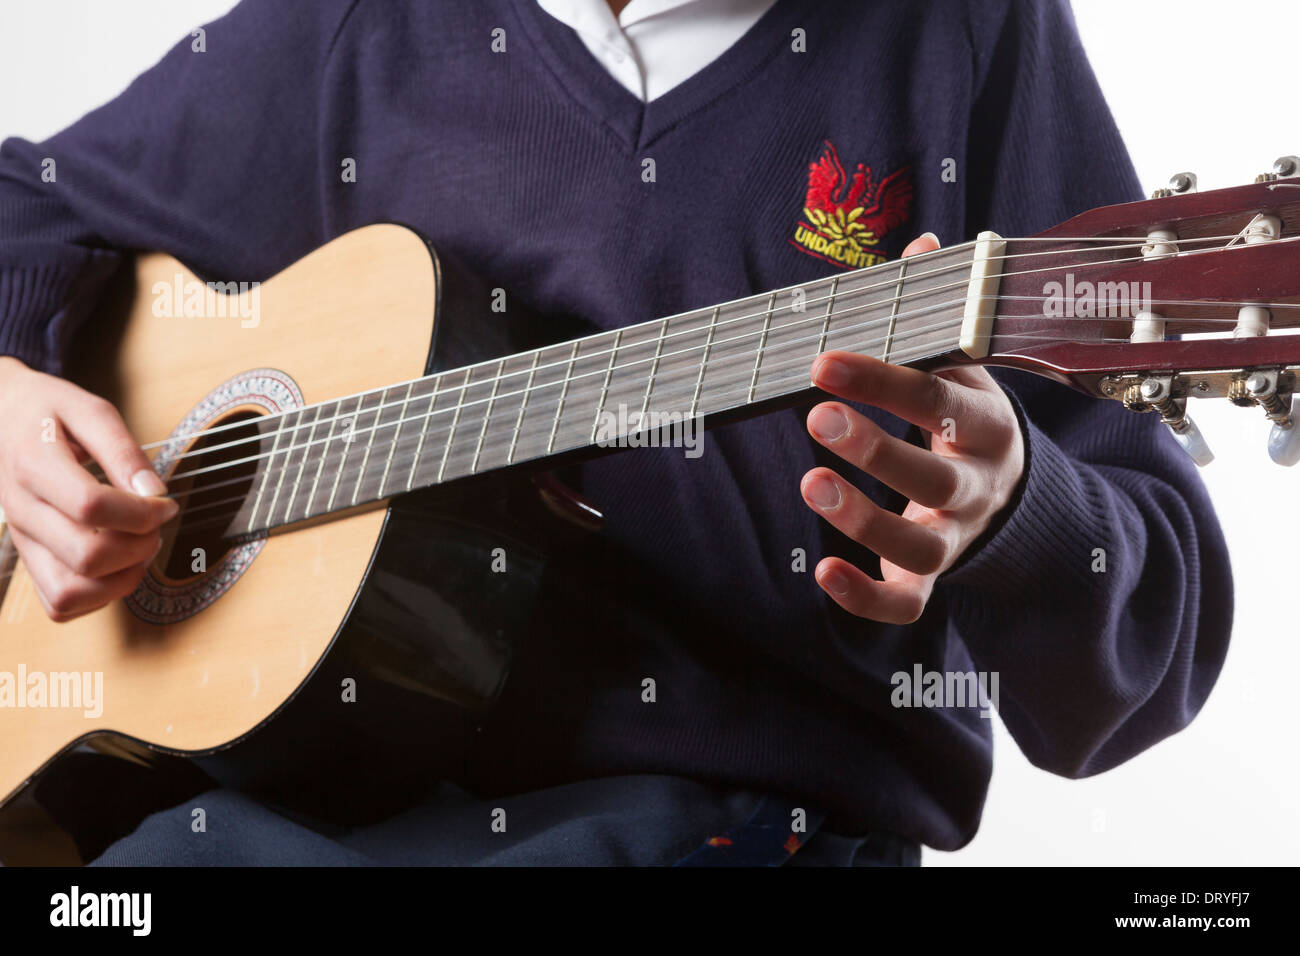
(653, 45)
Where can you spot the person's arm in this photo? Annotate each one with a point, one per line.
(214, 156)
(1100, 590)
(1096, 665)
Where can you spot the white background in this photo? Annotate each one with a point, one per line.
(1195, 85)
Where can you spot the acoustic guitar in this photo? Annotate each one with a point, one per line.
(348, 500)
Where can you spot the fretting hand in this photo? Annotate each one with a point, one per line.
(956, 487)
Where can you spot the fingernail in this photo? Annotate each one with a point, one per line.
(929, 235)
(828, 423)
(823, 493)
(157, 549)
(145, 482)
(173, 508)
(833, 374)
(835, 581)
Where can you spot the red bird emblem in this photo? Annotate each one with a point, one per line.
(846, 217)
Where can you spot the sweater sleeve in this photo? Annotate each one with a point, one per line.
(213, 155)
(1103, 598)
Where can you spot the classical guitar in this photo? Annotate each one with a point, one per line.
(345, 495)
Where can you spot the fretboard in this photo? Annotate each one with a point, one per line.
(614, 388)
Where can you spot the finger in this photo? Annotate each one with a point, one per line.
(82, 550)
(972, 376)
(906, 543)
(66, 595)
(891, 602)
(919, 474)
(926, 242)
(49, 471)
(925, 400)
(97, 427)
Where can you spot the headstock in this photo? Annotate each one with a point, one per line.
(1187, 294)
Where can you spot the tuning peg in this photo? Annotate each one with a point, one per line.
(1192, 441)
(1157, 394)
(1284, 439)
(1261, 387)
(1283, 168)
(1179, 184)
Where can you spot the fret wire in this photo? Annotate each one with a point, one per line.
(733, 396)
(604, 388)
(302, 465)
(320, 468)
(654, 370)
(523, 403)
(370, 443)
(607, 386)
(704, 362)
(347, 440)
(714, 353)
(874, 269)
(455, 420)
(768, 343)
(893, 312)
(830, 309)
(288, 457)
(266, 476)
(424, 430)
(401, 416)
(564, 391)
(487, 416)
(762, 343)
(826, 321)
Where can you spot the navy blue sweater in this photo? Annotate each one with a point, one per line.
(528, 165)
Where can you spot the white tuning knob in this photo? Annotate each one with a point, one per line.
(1284, 439)
(1193, 442)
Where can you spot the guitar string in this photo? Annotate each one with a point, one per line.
(378, 410)
(741, 360)
(344, 415)
(212, 521)
(703, 312)
(736, 386)
(803, 362)
(516, 435)
(799, 364)
(736, 359)
(501, 375)
(604, 371)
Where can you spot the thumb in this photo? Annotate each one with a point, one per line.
(927, 242)
(97, 427)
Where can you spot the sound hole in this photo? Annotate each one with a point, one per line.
(212, 479)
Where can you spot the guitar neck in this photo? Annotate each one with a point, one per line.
(637, 385)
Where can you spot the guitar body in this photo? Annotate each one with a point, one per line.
(391, 614)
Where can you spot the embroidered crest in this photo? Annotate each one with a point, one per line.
(846, 218)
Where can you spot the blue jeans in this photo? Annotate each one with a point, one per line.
(643, 820)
